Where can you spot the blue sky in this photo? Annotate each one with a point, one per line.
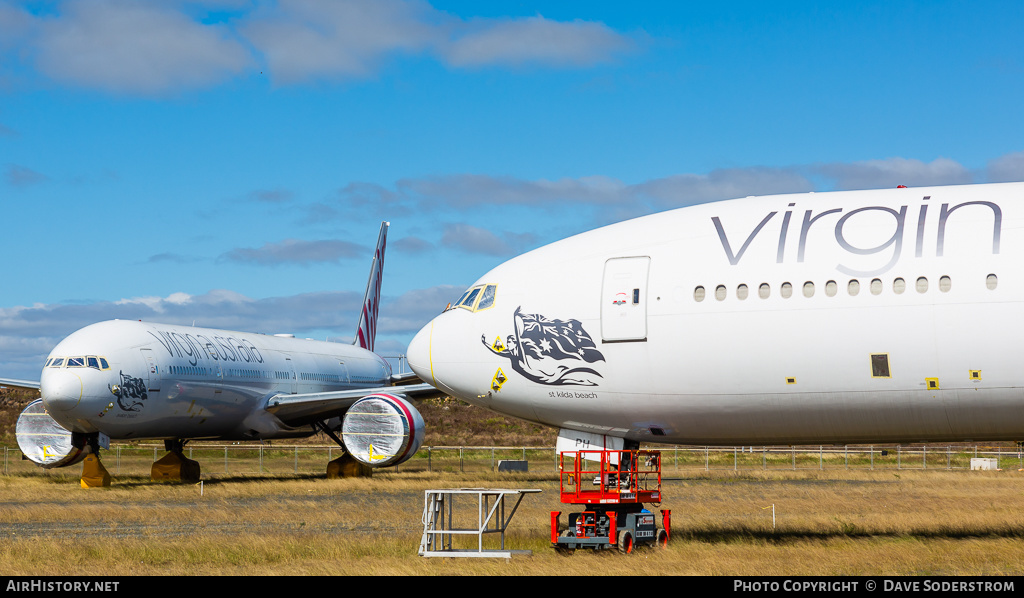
(228, 162)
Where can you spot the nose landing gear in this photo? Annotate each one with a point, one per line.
(94, 475)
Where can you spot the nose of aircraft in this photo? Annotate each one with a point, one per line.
(61, 389)
(419, 354)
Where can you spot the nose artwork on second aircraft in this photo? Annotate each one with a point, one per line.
(130, 393)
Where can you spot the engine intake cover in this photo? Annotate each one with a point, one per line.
(45, 442)
(382, 430)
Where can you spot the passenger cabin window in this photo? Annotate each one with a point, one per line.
(764, 291)
(698, 294)
(853, 287)
(786, 290)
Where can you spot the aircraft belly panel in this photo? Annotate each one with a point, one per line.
(904, 416)
(183, 410)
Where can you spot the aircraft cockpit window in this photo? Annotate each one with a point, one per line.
(76, 362)
(487, 299)
(93, 362)
(57, 362)
(479, 297)
(470, 299)
(103, 364)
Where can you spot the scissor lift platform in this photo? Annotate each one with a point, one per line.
(612, 487)
(492, 518)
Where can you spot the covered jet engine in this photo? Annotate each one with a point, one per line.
(44, 441)
(381, 430)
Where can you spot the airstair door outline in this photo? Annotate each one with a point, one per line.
(624, 299)
(293, 383)
(152, 370)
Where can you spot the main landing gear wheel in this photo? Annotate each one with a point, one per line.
(175, 466)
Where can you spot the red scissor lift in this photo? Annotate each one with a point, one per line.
(612, 486)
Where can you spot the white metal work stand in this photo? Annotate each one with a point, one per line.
(438, 532)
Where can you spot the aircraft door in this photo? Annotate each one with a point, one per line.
(152, 370)
(293, 384)
(624, 299)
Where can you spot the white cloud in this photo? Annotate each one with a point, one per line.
(295, 251)
(690, 189)
(466, 237)
(20, 176)
(1007, 168)
(892, 172)
(534, 40)
(28, 333)
(307, 39)
(468, 190)
(163, 48)
(272, 196)
(463, 191)
(135, 47)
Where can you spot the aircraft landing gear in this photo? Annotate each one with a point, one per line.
(345, 466)
(175, 466)
(94, 475)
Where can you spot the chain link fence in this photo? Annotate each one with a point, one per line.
(254, 459)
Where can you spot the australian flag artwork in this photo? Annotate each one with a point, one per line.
(554, 352)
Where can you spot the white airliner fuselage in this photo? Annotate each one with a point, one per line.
(132, 379)
(849, 317)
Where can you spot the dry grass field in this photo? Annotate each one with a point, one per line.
(837, 514)
(828, 523)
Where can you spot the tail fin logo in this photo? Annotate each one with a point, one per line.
(366, 332)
